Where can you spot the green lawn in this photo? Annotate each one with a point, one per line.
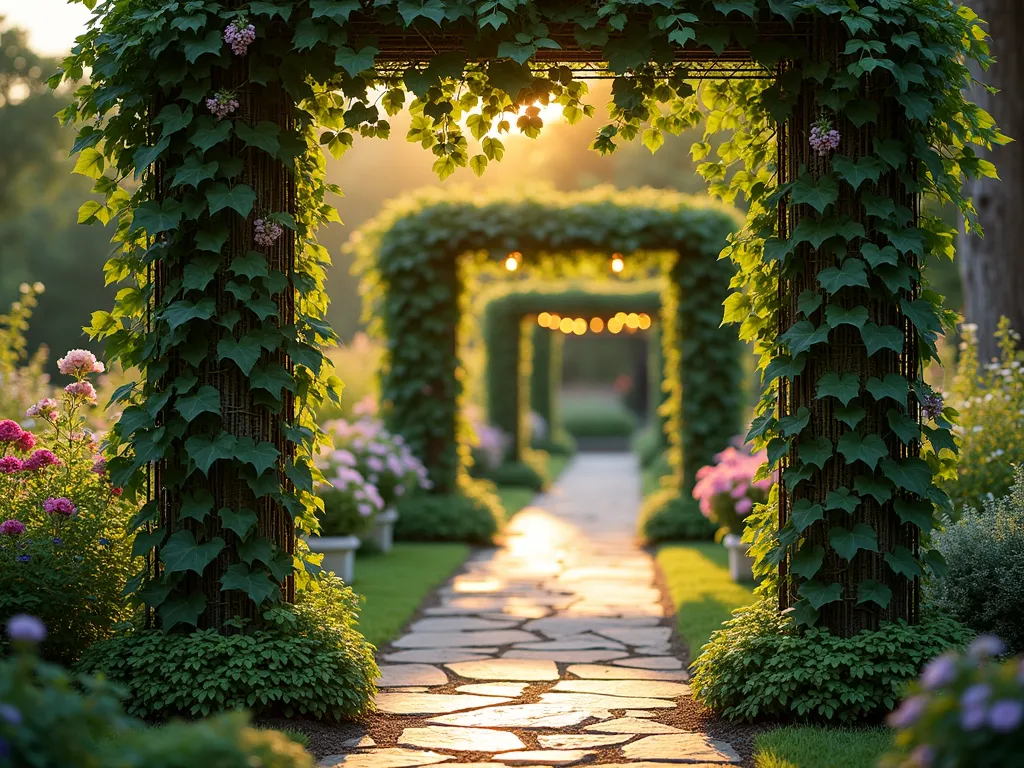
(697, 575)
(815, 747)
(395, 584)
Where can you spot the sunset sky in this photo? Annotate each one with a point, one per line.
(52, 24)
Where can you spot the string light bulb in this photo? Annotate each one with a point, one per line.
(618, 263)
(544, 319)
(596, 324)
(512, 261)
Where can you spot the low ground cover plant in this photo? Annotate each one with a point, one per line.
(65, 555)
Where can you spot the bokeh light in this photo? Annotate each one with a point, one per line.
(596, 324)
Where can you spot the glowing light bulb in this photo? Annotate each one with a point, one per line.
(565, 326)
(553, 323)
(632, 321)
(614, 325)
(512, 262)
(579, 326)
(596, 324)
(544, 319)
(645, 321)
(618, 263)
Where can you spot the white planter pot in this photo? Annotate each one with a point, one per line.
(382, 533)
(741, 564)
(339, 554)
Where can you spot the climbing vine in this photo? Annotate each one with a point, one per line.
(201, 117)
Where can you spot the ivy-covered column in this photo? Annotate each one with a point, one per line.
(544, 375)
(850, 499)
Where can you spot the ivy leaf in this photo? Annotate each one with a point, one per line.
(256, 584)
(805, 514)
(776, 448)
(922, 314)
(240, 198)
(817, 594)
(868, 449)
(877, 206)
(192, 172)
(144, 541)
(257, 548)
(173, 119)
(795, 475)
(212, 239)
(902, 561)
(264, 135)
(941, 439)
(850, 415)
(90, 163)
(253, 264)
(355, 62)
(776, 249)
(842, 386)
(877, 337)
(183, 553)
(848, 542)
(895, 278)
(146, 156)
(936, 563)
(803, 614)
(819, 194)
(259, 8)
(792, 425)
(891, 152)
(338, 10)
(245, 353)
(156, 218)
(910, 474)
(783, 366)
(272, 378)
(904, 239)
(878, 488)
(204, 450)
(182, 610)
(842, 498)
(808, 302)
(875, 255)
(206, 400)
(855, 316)
(209, 132)
(195, 46)
(263, 456)
(852, 272)
(199, 271)
(906, 429)
(807, 561)
(816, 451)
(180, 312)
(802, 335)
(134, 418)
(856, 172)
(759, 425)
(873, 591)
(893, 386)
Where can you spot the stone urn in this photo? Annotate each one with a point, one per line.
(339, 554)
(382, 532)
(741, 564)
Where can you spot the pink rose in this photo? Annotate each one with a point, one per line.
(79, 362)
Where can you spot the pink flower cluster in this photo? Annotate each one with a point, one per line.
(79, 362)
(59, 506)
(222, 104)
(239, 36)
(10, 431)
(266, 232)
(82, 389)
(731, 480)
(824, 138)
(12, 528)
(47, 408)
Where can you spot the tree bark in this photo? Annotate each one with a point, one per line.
(991, 267)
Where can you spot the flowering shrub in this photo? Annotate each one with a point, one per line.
(51, 718)
(984, 586)
(369, 470)
(990, 401)
(727, 491)
(965, 710)
(23, 379)
(64, 551)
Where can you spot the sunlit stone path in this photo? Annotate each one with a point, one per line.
(553, 649)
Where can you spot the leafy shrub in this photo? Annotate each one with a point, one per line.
(964, 711)
(558, 443)
(666, 515)
(23, 379)
(989, 399)
(759, 665)
(984, 586)
(518, 474)
(307, 659)
(648, 444)
(50, 718)
(473, 514)
(584, 416)
(64, 551)
(727, 491)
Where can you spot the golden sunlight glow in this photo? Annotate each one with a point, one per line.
(632, 321)
(579, 326)
(645, 321)
(618, 263)
(615, 324)
(596, 324)
(512, 262)
(544, 319)
(554, 322)
(565, 326)
(547, 113)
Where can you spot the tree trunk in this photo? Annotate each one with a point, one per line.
(991, 267)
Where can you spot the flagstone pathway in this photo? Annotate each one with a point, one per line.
(552, 650)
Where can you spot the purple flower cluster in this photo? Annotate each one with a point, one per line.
(47, 408)
(932, 405)
(25, 629)
(266, 232)
(60, 506)
(239, 36)
(12, 528)
(824, 138)
(222, 104)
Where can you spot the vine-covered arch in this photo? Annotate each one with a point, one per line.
(855, 112)
(417, 300)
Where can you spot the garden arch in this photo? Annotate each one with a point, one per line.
(413, 258)
(228, 330)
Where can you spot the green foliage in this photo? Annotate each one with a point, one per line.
(41, 700)
(23, 376)
(585, 416)
(808, 746)
(648, 444)
(988, 399)
(561, 443)
(666, 515)
(472, 514)
(964, 711)
(984, 584)
(759, 665)
(517, 473)
(305, 660)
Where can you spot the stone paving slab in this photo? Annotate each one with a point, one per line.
(553, 649)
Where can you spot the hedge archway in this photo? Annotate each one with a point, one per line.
(839, 117)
